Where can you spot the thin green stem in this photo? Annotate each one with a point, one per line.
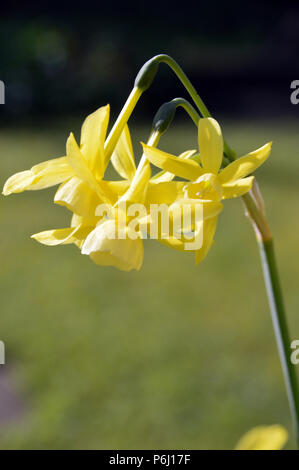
(280, 327)
(229, 153)
(166, 59)
(265, 242)
(166, 113)
(188, 108)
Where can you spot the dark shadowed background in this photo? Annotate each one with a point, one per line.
(61, 60)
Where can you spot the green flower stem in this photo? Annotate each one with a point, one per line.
(181, 102)
(229, 153)
(255, 210)
(166, 113)
(122, 119)
(265, 241)
(143, 81)
(280, 327)
(166, 59)
(148, 72)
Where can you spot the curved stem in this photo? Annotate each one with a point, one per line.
(280, 327)
(265, 242)
(185, 81)
(229, 153)
(188, 108)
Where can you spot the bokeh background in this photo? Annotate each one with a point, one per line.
(174, 356)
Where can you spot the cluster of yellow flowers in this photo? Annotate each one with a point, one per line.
(196, 178)
(83, 188)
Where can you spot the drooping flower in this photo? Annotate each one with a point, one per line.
(79, 173)
(96, 233)
(84, 195)
(82, 190)
(207, 180)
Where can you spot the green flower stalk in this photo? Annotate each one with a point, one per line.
(255, 210)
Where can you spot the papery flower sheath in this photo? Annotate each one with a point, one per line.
(207, 180)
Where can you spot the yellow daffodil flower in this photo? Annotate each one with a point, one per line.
(82, 190)
(95, 234)
(127, 253)
(263, 438)
(86, 225)
(80, 172)
(207, 180)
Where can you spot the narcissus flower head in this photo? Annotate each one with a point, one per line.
(207, 180)
(83, 189)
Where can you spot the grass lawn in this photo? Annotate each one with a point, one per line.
(173, 356)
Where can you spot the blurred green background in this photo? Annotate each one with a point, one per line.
(173, 356)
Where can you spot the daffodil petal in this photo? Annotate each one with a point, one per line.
(165, 176)
(114, 189)
(183, 243)
(76, 220)
(210, 209)
(237, 188)
(210, 144)
(104, 249)
(78, 197)
(245, 165)
(93, 134)
(84, 221)
(80, 167)
(180, 219)
(263, 438)
(209, 229)
(108, 259)
(62, 236)
(87, 223)
(138, 187)
(185, 168)
(172, 242)
(18, 182)
(40, 176)
(123, 157)
(164, 193)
